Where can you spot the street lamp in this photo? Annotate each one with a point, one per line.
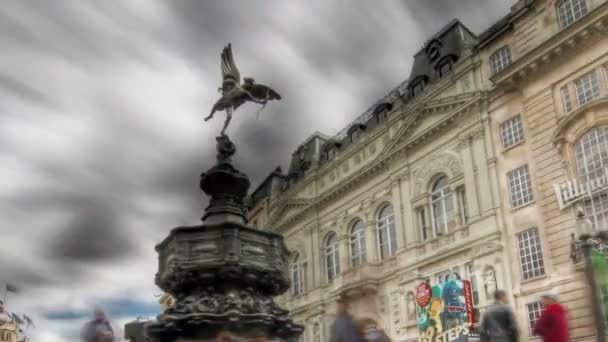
(585, 235)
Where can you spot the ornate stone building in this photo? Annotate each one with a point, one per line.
(454, 171)
(547, 63)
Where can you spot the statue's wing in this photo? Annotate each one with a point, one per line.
(229, 69)
(262, 92)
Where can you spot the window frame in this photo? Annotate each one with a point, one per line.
(530, 251)
(567, 104)
(512, 128)
(297, 269)
(500, 59)
(444, 198)
(537, 309)
(587, 95)
(386, 224)
(332, 252)
(423, 227)
(566, 20)
(529, 188)
(358, 255)
(591, 160)
(417, 88)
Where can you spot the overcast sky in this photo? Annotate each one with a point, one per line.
(101, 132)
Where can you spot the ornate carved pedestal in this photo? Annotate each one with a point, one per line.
(222, 273)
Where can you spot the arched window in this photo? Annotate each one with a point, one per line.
(591, 161)
(357, 243)
(387, 234)
(332, 256)
(442, 206)
(569, 11)
(297, 275)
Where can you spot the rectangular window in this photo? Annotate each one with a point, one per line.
(569, 11)
(530, 254)
(520, 186)
(500, 59)
(534, 311)
(587, 88)
(567, 102)
(512, 132)
(424, 232)
(462, 202)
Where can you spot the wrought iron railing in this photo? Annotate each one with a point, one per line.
(576, 248)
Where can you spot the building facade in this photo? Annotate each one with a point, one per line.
(454, 172)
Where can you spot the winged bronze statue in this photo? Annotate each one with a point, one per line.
(235, 94)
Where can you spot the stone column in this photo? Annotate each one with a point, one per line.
(371, 240)
(483, 179)
(466, 153)
(409, 216)
(315, 270)
(344, 240)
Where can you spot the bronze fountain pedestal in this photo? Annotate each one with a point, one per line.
(223, 274)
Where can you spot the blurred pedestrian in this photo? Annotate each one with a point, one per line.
(345, 329)
(499, 324)
(552, 325)
(97, 330)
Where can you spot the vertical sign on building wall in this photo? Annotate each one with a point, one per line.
(468, 299)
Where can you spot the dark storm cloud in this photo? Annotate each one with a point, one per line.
(15, 271)
(93, 235)
(18, 88)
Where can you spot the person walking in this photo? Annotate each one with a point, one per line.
(552, 325)
(498, 323)
(345, 329)
(97, 330)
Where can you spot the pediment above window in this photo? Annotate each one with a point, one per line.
(447, 163)
(577, 122)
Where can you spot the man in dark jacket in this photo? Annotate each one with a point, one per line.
(345, 329)
(97, 330)
(499, 324)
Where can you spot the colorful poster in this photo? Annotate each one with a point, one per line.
(449, 313)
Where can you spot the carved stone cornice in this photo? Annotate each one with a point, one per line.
(551, 51)
(395, 149)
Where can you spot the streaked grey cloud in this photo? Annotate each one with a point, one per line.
(101, 134)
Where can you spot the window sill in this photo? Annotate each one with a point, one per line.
(507, 149)
(523, 206)
(535, 279)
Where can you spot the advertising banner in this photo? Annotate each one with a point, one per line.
(448, 315)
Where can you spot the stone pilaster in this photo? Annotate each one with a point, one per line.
(395, 185)
(466, 153)
(371, 240)
(483, 178)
